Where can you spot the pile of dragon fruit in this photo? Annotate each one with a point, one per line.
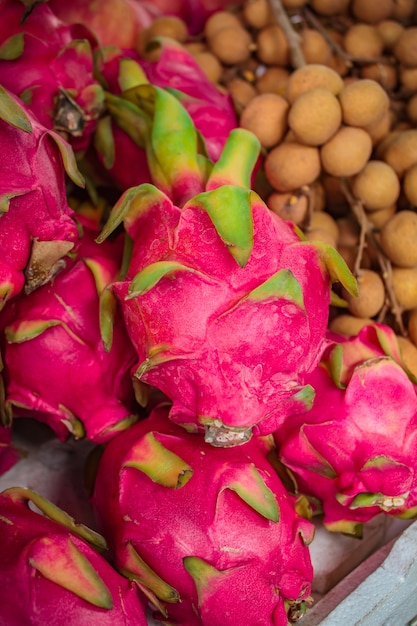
(153, 304)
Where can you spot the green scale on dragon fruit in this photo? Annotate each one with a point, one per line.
(56, 368)
(37, 229)
(210, 533)
(130, 138)
(353, 453)
(226, 306)
(49, 65)
(53, 570)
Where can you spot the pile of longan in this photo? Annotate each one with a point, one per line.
(336, 115)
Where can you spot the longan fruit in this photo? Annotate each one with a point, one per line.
(294, 4)
(380, 129)
(291, 165)
(210, 65)
(266, 116)
(349, 325)
(313, 76)
(330, 7)
(405, 49)
(409, 354)
(167, 26)
(371, 296)
(401, 151)
(319, 234)
(315, 116)
(347, 152)
(194, 47)
(379, 218)
(404, 284)
(363, 40)
(408, 78)
(377, 185)
(412, 326)
(289, 206)
(219, 20)
(241, 91)
(273, 80)
(314, 47)
(402, 9)
(348, 229)
(410, 184)
(336, 203)
(389, 30)
(272, 46)
(370, 11)
(398, 239)
(363, 102)
(320, 220)
(411, 109)
(231, 45)
(384, 74)
(257, 13)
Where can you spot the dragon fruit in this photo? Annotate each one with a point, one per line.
(353, 453)
(53, 572)
(50, 66)
(36, 226)
(212, 534)
(56, 367)
(9, 454)
(141, 115)
(225, 305)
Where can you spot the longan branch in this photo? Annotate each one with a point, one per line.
(367, 231)
(297, 57)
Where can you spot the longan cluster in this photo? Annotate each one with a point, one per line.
(336, 116)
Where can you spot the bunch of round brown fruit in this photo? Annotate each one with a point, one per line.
(330, 89)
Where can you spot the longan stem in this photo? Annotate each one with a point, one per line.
(366, 230)
(297, 57)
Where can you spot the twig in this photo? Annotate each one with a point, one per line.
(297, 57)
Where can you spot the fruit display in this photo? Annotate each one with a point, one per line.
(208, 275)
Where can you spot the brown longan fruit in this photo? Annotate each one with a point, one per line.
(231, 45)
(348, 229)
(313, 76)
(167, 26)
(389, 30)
(291, 165)
(241, 91)
(210, 65)
(363, 40)
(405, 49)
(404, 284)
(266, 116)
(411, 109)
(370, 11)
(384, 74)
(314, 47)
(408, 353)
(379, 218)
(272, 46)
(347, 152)
(410, 184)
(289, 206)
(294, 4)
(412, 326)
(319, 234)
(401, 150)
(315, 116)
(257, 13)
(402, 9)
(371, 296)
(273, 80)
(398, 239)
(363, 102)
(219, 20)
(336, 203)
(408, 78)
(349, 325)
(320, 220)
(377, 185)
(330, 7)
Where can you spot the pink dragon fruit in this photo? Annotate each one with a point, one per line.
(9, 454)
(226, 306)
(354, 451)
(36, 226)
(212, 534)
(56, 368)
(50, 66)
(139, 108)
(53, 572)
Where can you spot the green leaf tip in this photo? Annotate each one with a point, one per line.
(337, 267)
(152, 274)
(282, 284)
(230, 209)
(252, 489)
(13, 113)
(161, 465)
(237, 160)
